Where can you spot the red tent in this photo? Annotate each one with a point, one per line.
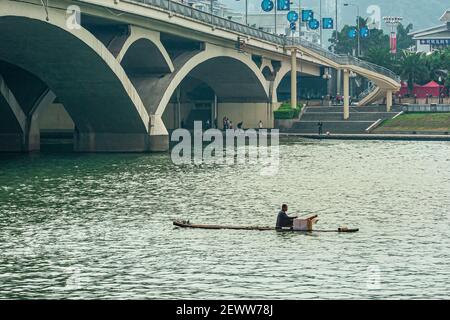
(404, 89)
(432, 88)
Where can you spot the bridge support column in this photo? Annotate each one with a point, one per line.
(388, 100)
(11, 142)
(159, 137)
(338, 82)
(110, 142)
(346, 94)
(293, 78)
(21, 142)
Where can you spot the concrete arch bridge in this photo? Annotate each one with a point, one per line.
(120, 74)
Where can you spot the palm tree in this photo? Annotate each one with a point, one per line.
(413, 68)
(381, 57)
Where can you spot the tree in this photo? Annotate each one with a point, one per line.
(434, 64)
(404, 41)
(349, 46)
(381, 57)
(376, 39)
(412, 67)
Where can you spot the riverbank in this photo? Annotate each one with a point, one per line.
(386, 137)
(416, 123)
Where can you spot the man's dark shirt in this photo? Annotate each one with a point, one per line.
(284, 221)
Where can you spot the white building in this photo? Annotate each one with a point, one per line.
(434, 38)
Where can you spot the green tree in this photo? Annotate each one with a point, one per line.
(381, 57)
(434, 63)
(376, 39)
(412, 68)
(404, 41)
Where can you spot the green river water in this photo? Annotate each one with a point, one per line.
(99, 225)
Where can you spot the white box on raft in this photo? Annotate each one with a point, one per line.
(304, 224)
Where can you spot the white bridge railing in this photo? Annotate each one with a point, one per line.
(188, 11)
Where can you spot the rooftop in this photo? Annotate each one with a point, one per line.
(446, 16)
(437, 32)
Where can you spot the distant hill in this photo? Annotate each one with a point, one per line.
(421, 13)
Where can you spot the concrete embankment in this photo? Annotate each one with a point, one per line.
(392, 137)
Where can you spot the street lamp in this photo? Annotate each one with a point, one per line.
(246, 12)
(358, 26)
(393, 22)
(326, 75)
(336, 24)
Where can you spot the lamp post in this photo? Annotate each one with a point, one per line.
(276, 5)
(393, 22)
(358, 53)
(212, 11)
(336, 23)
(299, 21)
(246, 12)
(327, 77)
(321, 21)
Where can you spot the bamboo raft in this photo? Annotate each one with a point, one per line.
(187, 224)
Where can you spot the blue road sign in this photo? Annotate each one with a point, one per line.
(293, 26)
(292, 16)
(267, 5)
(327, 23)
(364, 32)
(314, 24)
(283, 5)
(307, 15)
(352, 33)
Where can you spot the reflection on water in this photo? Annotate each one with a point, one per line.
(99, 226)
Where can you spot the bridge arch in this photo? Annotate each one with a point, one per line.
(280, 75)
(83, 74)
(143, 53)
(12, 120)
(233, 76)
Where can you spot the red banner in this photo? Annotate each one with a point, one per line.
(393, 41)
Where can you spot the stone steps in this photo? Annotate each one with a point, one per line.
(352, 109)
(347, 127)
(354, 116)
(360, 119)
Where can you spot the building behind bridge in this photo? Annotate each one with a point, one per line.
(434, 38)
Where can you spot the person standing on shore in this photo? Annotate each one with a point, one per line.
(320, 127)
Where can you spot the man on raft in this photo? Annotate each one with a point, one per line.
(283, 220)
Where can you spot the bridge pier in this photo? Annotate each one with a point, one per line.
(293, 77)
(11, 142)
(159, 137)
(389, 101)
(110, 142)
(346, 94)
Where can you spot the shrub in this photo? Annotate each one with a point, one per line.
(287, 112)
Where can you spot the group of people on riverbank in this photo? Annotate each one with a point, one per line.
(228, 124)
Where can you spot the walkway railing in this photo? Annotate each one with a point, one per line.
(366, 92)
(206, 17)
(346, 60)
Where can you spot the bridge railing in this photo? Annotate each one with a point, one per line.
(366, 92)
(206, 17)
(214, 20)
(346, 60)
